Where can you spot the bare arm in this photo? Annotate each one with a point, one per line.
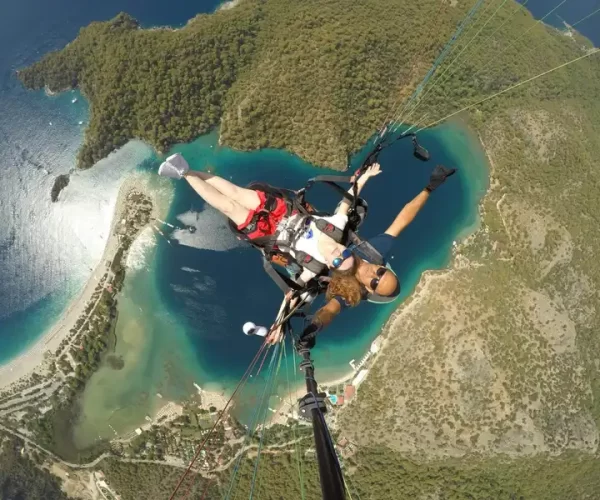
(372, 171)
(327, 313)
(408, 213)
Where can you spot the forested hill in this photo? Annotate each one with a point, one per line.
(21, 478)
(315, 77)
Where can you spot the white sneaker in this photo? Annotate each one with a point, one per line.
(174, 167)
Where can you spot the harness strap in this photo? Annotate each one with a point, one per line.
(330, 230)
(309, 262)
(270, 205)
(332, 180)
(367, 251)
(282, 281)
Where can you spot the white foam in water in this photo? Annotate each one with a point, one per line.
(211, 231)
(87, 204)
(190, 270)
(140, 250)
(182, 289)
(206, 284)
(44, 245)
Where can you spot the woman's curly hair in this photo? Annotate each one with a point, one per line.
(345, 285)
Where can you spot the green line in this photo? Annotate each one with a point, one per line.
(296, 445)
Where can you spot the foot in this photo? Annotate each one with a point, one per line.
(174, 167)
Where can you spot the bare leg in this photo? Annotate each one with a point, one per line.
(224, 204)
(245, 197)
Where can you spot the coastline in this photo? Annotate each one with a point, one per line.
(228, 5)
(288, 404)
(37, 357)
(428, 277)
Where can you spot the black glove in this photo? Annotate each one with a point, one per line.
(308, 339)
(306, 343)
(438, 177)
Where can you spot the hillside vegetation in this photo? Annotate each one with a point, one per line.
(317, 78)
(488, 384)
(377, 474)
(21, 478)
(314, 77)
(497, 356)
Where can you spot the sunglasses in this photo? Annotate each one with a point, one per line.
(337, 262)
(375, 281)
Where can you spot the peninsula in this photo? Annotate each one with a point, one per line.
(485, 382)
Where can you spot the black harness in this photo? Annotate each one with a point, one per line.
(276, 250)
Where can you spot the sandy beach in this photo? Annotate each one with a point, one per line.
(37, 358)
(288, 405)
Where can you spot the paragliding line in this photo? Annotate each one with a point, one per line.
(518, 39)
(270, 384)
(296, 445)
(330, 474)
(451, 64)
(240, 384)
(466, 108)
(585, 18)
(440, 59)
(484, 43)
(253, 424)
(246, 440)
(382, 129)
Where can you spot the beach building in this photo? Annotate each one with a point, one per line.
(340, 400)
(359, 378)
(374, 349)
(349, 392)
(376, 345)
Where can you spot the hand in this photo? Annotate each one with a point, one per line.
(371, 171)
(306, 343)
(275, 336)
(308, 339)
(174, 167)
(439, 176)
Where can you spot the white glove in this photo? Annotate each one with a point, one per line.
(174, 167)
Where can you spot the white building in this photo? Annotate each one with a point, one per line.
(359, 378)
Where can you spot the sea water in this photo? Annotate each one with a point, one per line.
(184, 302)
(181, 313)
(570, 12)
(47, 250)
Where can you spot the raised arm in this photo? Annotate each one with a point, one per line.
(371, 171)
(412, 208)
(408, 214)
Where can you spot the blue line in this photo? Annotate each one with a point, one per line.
(254, 419)
(262, 435)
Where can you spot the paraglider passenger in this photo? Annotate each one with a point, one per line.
(259, 214)
(361, 272)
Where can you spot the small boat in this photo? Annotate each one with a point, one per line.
(80, 123)
(74, 100)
